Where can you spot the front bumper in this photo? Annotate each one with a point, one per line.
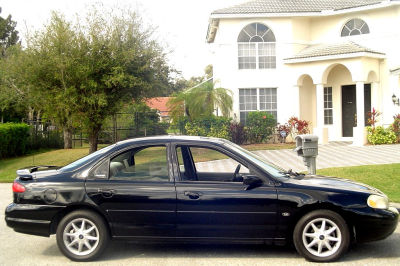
(31, 219)
(376, 226)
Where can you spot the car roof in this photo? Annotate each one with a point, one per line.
(171, 138)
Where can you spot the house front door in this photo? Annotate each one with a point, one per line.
(349, 110)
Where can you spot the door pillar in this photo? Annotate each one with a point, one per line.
(359, 134)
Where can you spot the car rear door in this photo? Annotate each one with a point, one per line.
(137, 191)
(211, 204)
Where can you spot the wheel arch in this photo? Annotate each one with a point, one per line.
(58, 217)
(320, 206)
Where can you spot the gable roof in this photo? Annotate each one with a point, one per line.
(294, 6)
(321, 51)
(160, 104)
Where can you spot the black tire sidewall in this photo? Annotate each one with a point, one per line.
(333, 216)
(101, 227)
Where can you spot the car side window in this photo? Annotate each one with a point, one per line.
(101, 171)
(141, 164)
(207, 164)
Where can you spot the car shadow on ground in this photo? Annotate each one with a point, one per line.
(388, 248)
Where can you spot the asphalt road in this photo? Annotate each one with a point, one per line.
(20, 249)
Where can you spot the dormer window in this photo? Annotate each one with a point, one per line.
(256, 47)
(355, 26)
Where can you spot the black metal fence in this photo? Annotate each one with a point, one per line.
(119, 127)
(44, 135)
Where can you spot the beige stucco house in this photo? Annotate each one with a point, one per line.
(325, 61)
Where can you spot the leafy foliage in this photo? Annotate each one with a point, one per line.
(212, 126)
(13, 139)
(8, 34)
(200, 101)
(238, 133)
(373, 118)
(85, 70)
(261, 126)
(283, 131)
(381, 135)
(396, 126)
(298, 127)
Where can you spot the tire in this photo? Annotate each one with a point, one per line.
(321, 236)
(84, 245)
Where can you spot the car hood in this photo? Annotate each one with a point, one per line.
(336, 183)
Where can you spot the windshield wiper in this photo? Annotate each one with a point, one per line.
(291, 173)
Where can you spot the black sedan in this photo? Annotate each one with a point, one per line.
(193, 189)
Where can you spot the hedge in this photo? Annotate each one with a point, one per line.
(13, 139)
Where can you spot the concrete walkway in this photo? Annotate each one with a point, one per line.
(336, 154)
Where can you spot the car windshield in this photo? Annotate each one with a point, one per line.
(86, 159)
(272, 169)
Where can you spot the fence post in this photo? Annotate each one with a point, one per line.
(115, 137)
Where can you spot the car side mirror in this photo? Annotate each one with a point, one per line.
(251, 182)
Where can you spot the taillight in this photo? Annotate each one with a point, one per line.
(17, 187)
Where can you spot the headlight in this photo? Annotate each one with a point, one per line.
(378, 202)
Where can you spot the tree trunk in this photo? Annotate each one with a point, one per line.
(67, 138)
(93, 140)
(38, 113)
(30, 115)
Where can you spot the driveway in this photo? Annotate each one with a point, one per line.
(20, 249)
(336, 154)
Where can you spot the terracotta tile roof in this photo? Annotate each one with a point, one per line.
(160, 104)
(293, 6)
(346, 47)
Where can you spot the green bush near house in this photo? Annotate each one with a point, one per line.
(13, 139)
(381, 135)
(260, 126)
(211, 126)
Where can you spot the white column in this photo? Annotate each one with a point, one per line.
(296, 101)
(359, 131)
(319, 130)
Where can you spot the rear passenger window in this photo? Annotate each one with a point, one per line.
(141, 164)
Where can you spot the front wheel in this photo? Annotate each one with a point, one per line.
(321, 236)
(82, 235)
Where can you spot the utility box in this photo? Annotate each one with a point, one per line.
(307, 147)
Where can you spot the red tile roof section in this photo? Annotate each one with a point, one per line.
(160, 104)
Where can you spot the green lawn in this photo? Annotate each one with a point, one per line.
(385, 177)
(59, 157)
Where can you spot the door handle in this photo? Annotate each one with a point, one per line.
(192, 195)
(106, 193)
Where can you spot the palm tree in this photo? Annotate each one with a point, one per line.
(206, 97)
(200, 101)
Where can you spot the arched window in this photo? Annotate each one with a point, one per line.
(355, 26)
(256, 47)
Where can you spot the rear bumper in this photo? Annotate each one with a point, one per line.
(31, 219)
(378, 226)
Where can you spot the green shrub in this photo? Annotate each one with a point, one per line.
(212, 126)
(238, 133)
(261, 126)
(396, 126)
(13, 139)
(380, 135)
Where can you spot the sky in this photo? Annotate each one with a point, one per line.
(181, 24)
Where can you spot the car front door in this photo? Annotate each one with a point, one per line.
(212, 202)
(136, 189)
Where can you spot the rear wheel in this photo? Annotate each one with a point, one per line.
(321, 236)
(82, 235)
